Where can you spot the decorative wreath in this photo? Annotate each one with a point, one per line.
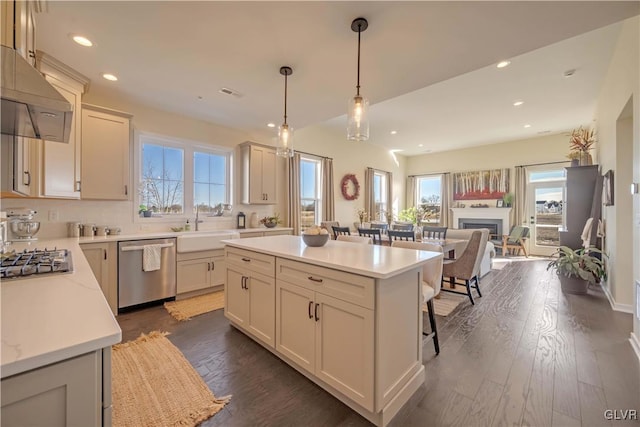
(344, 184)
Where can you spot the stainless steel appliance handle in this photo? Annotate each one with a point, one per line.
(139, 248)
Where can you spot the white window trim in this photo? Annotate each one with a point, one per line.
(188, 147)
(318, 189)
(417, 200)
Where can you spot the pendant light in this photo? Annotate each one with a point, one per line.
(285, 133)
(358, 122)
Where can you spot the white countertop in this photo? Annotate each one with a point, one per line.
(166, 234)
(376, 261)
(55, 316)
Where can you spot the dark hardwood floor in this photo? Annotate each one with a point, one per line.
(525, 354)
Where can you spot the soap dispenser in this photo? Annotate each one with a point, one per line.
(187, 226)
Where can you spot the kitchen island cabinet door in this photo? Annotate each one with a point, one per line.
(345, 348)
(262, 294)
(67, 393)
(295, 324)
(236, 306)
(105, 153)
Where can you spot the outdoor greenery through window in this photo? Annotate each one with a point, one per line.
(309, 192)
(164, 164)
(429, 197)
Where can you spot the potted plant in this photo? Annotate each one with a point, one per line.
(142, 210)
(581, 142)
(507, 200)
(577, 268)
(271, 221)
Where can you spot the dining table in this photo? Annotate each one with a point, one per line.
(449, 246)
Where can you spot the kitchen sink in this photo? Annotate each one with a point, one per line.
(204, 241)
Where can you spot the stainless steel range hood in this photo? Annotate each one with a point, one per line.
(30, 105)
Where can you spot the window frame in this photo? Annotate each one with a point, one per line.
(384, 197)
(418, 201)
(189, 148)
(318, 189)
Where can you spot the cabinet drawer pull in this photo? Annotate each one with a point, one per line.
(28, 176)
(313, 279)
(316, 312)
(242, 282)
(246, 259)
(310, 314)
(126, 190)
(213, 265)
(105, 253)
(208, 266)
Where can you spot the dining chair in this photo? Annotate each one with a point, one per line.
(337, 231)
(374, 233)
(382, 226)
(355, 239)
(429, 232)
(401, 235)
(431, 282)
(328, 225)
(467, 266)
(402, 227)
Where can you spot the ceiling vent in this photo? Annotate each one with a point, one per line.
(231, 92)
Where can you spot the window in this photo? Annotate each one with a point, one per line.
(429, 197)
(164, 164)
(209, 180)
(380, 198)
(162, 180)
(309, 192)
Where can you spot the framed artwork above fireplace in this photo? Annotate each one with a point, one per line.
(481, 185)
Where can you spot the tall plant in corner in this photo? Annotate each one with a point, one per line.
(577, 268)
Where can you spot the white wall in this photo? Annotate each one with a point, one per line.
(121, 213)
(618, 153)
(352, 158)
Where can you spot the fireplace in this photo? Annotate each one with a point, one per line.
(494, 225)
(495, 219)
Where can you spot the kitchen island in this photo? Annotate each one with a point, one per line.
(347, 316)
(57, 333)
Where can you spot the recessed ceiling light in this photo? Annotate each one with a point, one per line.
(393, 132)
(82, 41)
(569, 73)
(518, 103)
(110, 77)
(503, 64)
(271, 125)
(199, 97)
(527, 126)
(420, 145)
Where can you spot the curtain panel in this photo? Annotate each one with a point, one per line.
(446, 219)
(293, 184)
(410, 197)
(369, 199)
(519, 209)
(328, 201)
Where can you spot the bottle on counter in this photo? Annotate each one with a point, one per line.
(187, 226)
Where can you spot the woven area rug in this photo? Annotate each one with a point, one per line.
(154, 385)
(447, 302)
(187, 308)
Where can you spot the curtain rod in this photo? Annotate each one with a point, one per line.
(428, 174)
(315, 155)
(542, 164)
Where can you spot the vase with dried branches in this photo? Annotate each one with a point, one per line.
(581, 142)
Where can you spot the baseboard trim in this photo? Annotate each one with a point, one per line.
(635, 344)
(624, 308)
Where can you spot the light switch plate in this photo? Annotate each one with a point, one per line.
(53, 216)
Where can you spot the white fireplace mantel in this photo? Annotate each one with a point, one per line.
(483, 213)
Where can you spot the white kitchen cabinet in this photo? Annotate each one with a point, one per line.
(330, 338)
(74, 392)
(200, 270)
(20, 165)
(60, 162)
(18, 28)
(266, 232)
(250, 293)
(105, 153)
(259, 174)
(102, 258)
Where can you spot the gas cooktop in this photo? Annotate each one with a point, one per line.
(35, 262)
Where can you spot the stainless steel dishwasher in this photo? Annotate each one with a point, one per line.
(136, 286)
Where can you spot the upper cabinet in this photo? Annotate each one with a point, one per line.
(105, 153)
(18, 27)
(61, 162)
(258, 174)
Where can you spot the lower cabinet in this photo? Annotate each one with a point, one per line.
(67, 393)
(330, 338)
(103, 260)
(200, 270)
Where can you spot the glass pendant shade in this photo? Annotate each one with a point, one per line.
(285, 141)
(358, 120)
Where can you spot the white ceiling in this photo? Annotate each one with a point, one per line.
(428, 68)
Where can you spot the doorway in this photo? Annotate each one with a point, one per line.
(545, 210)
